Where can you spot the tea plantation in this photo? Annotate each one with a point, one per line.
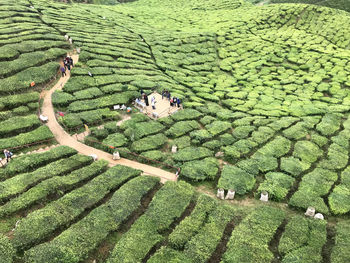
(265, 91)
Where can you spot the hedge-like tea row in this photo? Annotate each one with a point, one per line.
(181, 128)
(36, 226)
(74, 120)
(313, 186)
(237, 179)
(146, 231)
(340, 252)
(20, 81)
(193, 223)
(75, 243)
(39, 134)
(7, 251)
(277, 185)
(18, 125)
(17, 100)
(203, 239)
(29, 162)
(303, 239)
(249, 240)
(205, 169)
(27, 60)
(192, 153)
(142, 129)
(21, 182)
(57, 185)
(339, 199)
(152, 142)
(210, 235)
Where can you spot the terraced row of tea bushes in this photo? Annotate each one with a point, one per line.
(340, 253)
(190, 59)
(327, 171)
(120, 68)
(250, 239)
(77, 120)
(75, 243)
(35, 227)
(343, 5)
(17, 125)
(303, 239)
(149, 229)
(22, 182)
(7, 252)
(30, 52)
(29, 162)
(205, 225)
(56, 185)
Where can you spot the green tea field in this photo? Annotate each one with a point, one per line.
(265, 109)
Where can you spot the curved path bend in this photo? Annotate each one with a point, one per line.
(64, 138)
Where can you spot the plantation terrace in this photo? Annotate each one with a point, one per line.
(192, 131)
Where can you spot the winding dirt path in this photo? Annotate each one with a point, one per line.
(64, 138)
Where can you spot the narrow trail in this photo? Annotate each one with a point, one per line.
(64, 138)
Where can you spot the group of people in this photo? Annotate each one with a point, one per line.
(165, 94)
(68, 64)
(173, 100)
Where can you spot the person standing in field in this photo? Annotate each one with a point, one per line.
(8, 155)
(63, 70)
(178, 102)
(146, 99)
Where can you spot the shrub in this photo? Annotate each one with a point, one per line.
(207, 120)
(192, 153)
(7, 252)
(330, 123)
(21, 182)
(339, 200)
(116, 140)
(75, 243)
(142, 129)
(307, 151)
(218, 127)
(249, 240)
(153, 155)
(181, 128)
(56, 185)
(186, 114)
(21, 80)
(277, 147)
(146, 231)
(340, 252)
(165, 254)
(236, 179)
(242, 131)
(201, 169)
(182, 142)
(201, 135)
(203, 244)
(62, 99)
(293, 166)
(134, 119)
(152, 142)
(277, 185)
(29, 162)
(193, 223)
(212, 145)
(17, 100)
(42, 133)
(303, 239)
(36, 226)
